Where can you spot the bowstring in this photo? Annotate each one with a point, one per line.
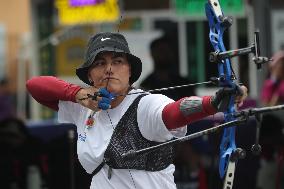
(120, 21)
(111, 122)
(159, 90)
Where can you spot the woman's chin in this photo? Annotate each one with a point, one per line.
(117, 89)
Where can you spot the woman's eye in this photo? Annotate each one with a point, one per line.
(99, 63)
(117, 61)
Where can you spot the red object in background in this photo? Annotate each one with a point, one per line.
(202, 179)
(44, 163)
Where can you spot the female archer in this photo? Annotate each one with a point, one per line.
(113, 118)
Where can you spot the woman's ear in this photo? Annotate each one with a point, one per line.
(91, 81)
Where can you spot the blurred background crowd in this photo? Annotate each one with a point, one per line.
(48, 37)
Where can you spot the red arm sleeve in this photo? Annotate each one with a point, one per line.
(173, 117)
(48, 90)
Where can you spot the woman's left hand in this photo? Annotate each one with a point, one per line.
(221, 99)
(241, 96)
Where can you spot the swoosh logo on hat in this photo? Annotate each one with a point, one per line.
(103, 39)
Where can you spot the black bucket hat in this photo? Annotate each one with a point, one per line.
(113, 42)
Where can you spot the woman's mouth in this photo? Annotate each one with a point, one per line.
(109, 78)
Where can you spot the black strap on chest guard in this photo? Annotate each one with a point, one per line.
(127, 136)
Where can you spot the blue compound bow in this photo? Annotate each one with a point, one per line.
(218, 24)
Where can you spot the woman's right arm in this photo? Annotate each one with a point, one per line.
(48, 90)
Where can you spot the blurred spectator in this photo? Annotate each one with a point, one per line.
(20, 152)
(270, 174)
(190, 173)
(165, 72)
(273, 88)
(6, 100)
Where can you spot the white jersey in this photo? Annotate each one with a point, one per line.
(92, 142)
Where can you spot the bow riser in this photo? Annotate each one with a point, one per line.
(216, 38)
(218, 24)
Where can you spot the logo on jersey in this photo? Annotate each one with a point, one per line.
(82, 137)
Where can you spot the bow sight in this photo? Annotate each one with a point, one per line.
(258, 60)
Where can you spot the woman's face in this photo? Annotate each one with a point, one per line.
(111, 70)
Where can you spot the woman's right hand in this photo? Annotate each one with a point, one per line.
(82, 97)
(94, 98)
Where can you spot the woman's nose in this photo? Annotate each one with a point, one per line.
(108, 68)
